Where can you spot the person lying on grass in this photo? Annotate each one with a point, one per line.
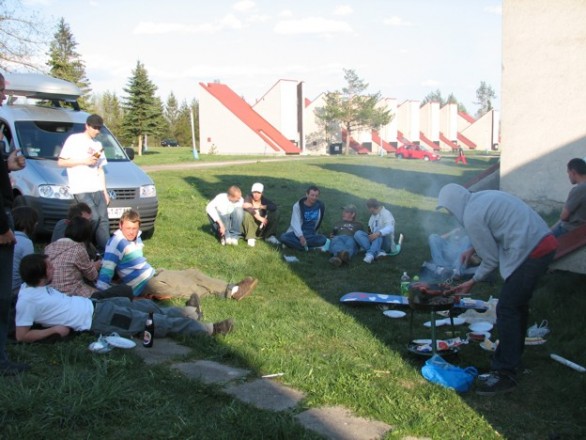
(124, 258)
(59, 314)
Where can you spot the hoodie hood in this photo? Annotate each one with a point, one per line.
(454, 198)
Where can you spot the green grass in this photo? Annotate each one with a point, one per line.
(293, 323)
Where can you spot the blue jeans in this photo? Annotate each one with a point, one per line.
(373, 247)
(512, 313)
(341, 243)
(232, 222)
(6, 256)
(289, 239)
(447, 252)
(97, 202)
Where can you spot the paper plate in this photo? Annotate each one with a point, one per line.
(481, 326)
(394, 313)
(120, 342)
(534, 341)
(421, 341)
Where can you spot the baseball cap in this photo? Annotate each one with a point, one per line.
(349, 208)
(257, 187)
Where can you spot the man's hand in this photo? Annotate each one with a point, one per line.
(466, 255)
(7, 239)
(15, 162)
(374, 236)
(303, 241)
(465, 287)
(221, 229)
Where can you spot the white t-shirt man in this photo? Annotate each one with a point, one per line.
(84, 178)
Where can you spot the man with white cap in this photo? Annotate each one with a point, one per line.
(505, 233)
(261, 217)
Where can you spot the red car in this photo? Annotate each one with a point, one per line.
(415, 152)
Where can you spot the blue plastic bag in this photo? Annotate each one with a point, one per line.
(437, 370)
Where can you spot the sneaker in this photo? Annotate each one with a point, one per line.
(335, 261)
(325, 247)
(193, 301)
(223, 241)
(9, 368)
(223, 327)
(344, 256)
(232, 241)
(245, 288)
(273, 240)
(494, 383)
(251, 242)
(381, 254)
(369, 258)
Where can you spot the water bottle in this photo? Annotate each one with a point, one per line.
(149, 332)
(405, 281)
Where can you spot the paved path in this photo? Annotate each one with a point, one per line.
(334, 423)
(197, 164)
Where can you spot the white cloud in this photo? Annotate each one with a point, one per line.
(430, 83)
(286, 13)
(230, 21)
(244, 5)
(258, 18)
(396, 21)
(496, 9)
(312, 25)
(343, 10)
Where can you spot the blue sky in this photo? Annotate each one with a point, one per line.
(402, 48)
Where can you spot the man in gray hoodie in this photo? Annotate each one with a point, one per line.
(505, 233)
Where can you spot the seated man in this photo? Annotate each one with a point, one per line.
(306, 219)
(380, 240)
(225, 214)
(59, 314)
(124, 257)
(574, 210)
(76, 210)
(446, 257)
(342, 244)
(261, 217)
(73, 271)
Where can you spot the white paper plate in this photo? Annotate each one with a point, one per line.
(120, 342)
(481, 326)
(394, 313)
(422, 341)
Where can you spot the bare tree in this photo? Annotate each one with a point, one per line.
(20, 36)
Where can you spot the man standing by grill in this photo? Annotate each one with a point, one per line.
(84, 158)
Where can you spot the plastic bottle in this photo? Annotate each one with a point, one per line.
(405, 281)
(149, 331)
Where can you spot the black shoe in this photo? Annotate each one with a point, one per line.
(193, 301)
(223, 327)
(9, 368)
(494, 383)
(335, 261)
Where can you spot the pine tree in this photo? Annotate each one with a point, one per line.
(108, 105)
(143, 110)
(485, 94)
(66, 63)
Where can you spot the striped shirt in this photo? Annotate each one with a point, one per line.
(125, 259)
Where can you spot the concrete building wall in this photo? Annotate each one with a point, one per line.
(279, 107)
(542, 97)
(429, 116)
(482, 133)
(449, 121)
(408, 120)
(316, 137)
(388, 133)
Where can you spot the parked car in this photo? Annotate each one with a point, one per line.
(415, 152)
(169, 143)
(39, 115)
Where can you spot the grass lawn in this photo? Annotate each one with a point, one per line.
(294, 324)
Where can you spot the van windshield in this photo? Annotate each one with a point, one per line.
(44, 139)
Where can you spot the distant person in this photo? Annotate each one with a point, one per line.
(506, 234)
(574, 211)
(124, 258)
(74, 273)
(379, 241)
(84, 158)
(461, 157)
(13, 162)
(306, 218)
(225, 214)
(76, 210)
(59, 314)
(25, 223)
(261, 217)
(342, 244)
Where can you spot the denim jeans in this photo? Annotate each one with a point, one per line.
(232, 222)
(373, 247)
(289, 239)
(512, 312)
(447, 252)
(341, 243)
(97, 202)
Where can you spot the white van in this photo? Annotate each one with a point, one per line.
(39, 114)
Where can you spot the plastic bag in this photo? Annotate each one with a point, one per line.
(438, 371)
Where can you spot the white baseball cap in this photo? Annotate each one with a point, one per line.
(257, 187)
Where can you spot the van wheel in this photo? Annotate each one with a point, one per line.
(19, 201)
(147, 234)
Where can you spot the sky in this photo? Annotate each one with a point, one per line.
(403, 49)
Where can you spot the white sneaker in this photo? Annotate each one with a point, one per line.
(381, 254)
(273, 240)
(223, 241)
(232, 241)
(369, 258)
(251, 242)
